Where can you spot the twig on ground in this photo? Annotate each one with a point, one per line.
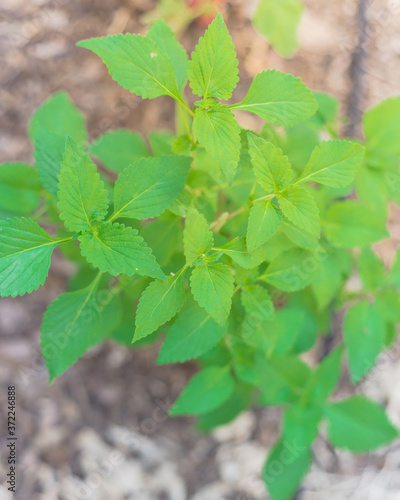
(357, 92)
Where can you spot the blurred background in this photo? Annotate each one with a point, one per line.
(101, 430)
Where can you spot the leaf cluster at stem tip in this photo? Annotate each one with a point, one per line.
(229, 247)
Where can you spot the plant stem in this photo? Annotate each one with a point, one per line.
(64, 240)
(42, 210)
(268, 197)
(185, 106)
(253, 188)
(223, 218)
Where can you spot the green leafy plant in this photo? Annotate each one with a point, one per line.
(235, 246)
(278, 22)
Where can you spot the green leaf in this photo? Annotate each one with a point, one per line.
(213, 70)
(59, 116)
(387, 303)
(229, 410)
(146, 188)
(212, 287)
(278, 22)
(164, 236)
(334, 163)
(170, 48)
(237, 251)
(271, 166)
(292, 270)
(110, 309)
(371, 268)
(124, 331)
(381, 129)
(325, 378)
(197, 237)
(393, 277)
(50, 125)
(217, 130)
(19, 188)
(258, 332)
(328, 108)
(285, 468)
(279, 98)
(259, 327)
(295, 330)
(257, 302)
(364, 336)
(205, 391)
(300, 425)
(359, 425)
(245, 372)
(82, 197)
(118, 149)
(25, 251)
(373, 187)
(183, 143)
(193, 333)
(298, 237)
(158, 304)
(71, 325)
(282, 378)
(299, 206)
(49, 152)
(137, 63)
(161, 142)
(350, 224)
(278, 244)
(217, 356)
(329, 278)
(298, 143)
(264, 221)
(116, 249)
